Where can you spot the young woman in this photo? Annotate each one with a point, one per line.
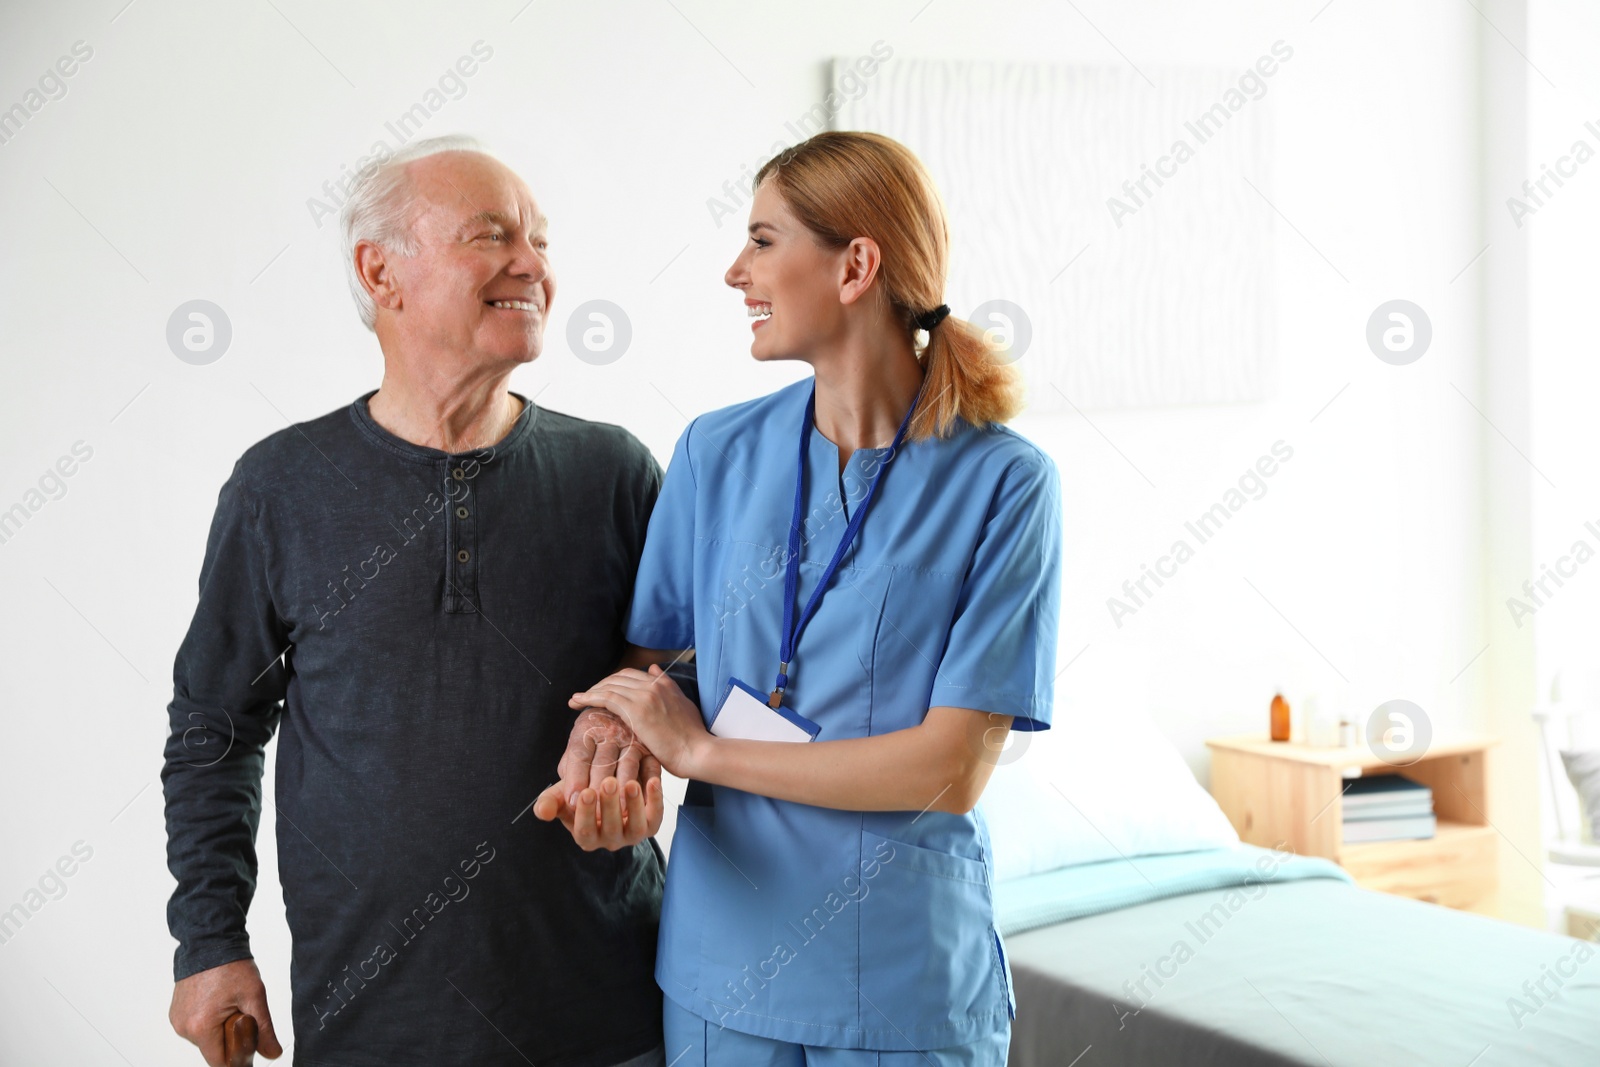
(867, 565)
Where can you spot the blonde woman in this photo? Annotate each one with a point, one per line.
(867, 564)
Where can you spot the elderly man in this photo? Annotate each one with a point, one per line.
(408, 590)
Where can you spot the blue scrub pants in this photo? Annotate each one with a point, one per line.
(695, 1042)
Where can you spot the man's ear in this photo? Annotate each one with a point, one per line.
(377, 277)
(858, 268)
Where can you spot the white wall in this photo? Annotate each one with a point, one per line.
(1565, 376)
(1562, 380)
(179, 165)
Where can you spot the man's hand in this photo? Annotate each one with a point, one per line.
(201, 1002)
(609, 795)
(658, 712)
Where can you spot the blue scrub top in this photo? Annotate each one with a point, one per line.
(868, 930)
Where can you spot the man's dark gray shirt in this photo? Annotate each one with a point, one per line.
(411, 624)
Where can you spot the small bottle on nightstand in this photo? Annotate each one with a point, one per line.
(1280, 718)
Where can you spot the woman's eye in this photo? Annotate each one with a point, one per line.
(760, 242)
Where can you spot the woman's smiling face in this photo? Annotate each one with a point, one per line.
(789, 279)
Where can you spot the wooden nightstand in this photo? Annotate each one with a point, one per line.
(1287, 793)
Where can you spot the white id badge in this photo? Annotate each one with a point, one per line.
(745, 714)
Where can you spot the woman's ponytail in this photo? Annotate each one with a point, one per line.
(965, 375)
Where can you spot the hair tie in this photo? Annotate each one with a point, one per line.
(929, 319)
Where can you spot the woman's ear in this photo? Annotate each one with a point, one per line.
(858, 269)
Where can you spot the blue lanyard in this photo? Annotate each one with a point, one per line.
(791, 574)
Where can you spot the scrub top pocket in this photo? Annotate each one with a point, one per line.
(941, 941)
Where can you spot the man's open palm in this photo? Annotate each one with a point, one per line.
(609, 795)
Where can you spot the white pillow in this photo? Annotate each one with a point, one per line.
(1093, 788)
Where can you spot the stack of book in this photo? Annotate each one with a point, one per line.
(1387, 807)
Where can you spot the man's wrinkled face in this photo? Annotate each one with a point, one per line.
(481, 282)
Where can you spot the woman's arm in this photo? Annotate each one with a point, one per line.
(941, 764)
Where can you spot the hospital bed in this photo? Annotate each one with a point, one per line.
(1126, 962)
(1139, 930)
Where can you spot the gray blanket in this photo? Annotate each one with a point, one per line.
(1305, 973)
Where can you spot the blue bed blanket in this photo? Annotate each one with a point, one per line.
(1092, 888)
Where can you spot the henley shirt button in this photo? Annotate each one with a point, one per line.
(461, 513)
(458, 474)
(461, 556)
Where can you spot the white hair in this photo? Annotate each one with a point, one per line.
(380, 207)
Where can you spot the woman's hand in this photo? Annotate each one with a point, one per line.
(666, 722)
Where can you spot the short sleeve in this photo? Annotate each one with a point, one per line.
(662, 612)
(1001, 653)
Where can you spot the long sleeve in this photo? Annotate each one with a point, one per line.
(227, 694)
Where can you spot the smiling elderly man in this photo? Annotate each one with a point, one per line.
(407, 590)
